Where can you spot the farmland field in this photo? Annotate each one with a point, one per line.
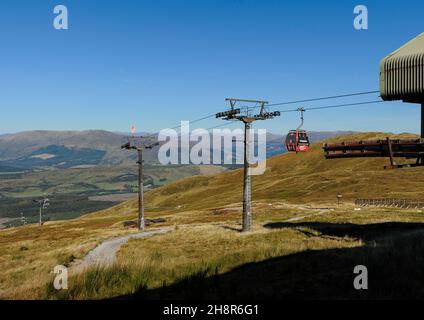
(76, 191)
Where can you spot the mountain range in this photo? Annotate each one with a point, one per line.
(68, 149)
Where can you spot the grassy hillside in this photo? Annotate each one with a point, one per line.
(303, 245)
(299, 178)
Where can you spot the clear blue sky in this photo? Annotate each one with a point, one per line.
(155, 63)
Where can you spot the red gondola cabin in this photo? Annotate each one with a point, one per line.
(297, 141)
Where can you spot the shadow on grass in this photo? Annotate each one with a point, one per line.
(395, 263)
(366, 232)
(236, 229)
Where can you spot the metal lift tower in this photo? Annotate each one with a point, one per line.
(139, 144)
(245, 115)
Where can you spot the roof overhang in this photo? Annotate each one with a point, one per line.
(402, 73)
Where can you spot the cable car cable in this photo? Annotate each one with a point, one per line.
(335, 106)
(324, 98)
(286, 103)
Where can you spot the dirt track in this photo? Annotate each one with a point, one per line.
(105, 253)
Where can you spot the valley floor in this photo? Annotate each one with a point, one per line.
(294, 252)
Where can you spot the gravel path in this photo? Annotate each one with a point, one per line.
(105, 253)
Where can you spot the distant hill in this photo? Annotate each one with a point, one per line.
(65, 149)
(25, 144)
(58, 156)
(74, 147)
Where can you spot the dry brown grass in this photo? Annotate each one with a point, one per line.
(191, 249)
(217, 248)
(297, 178)
(207, 211)
(208, 242)
(30, 253)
